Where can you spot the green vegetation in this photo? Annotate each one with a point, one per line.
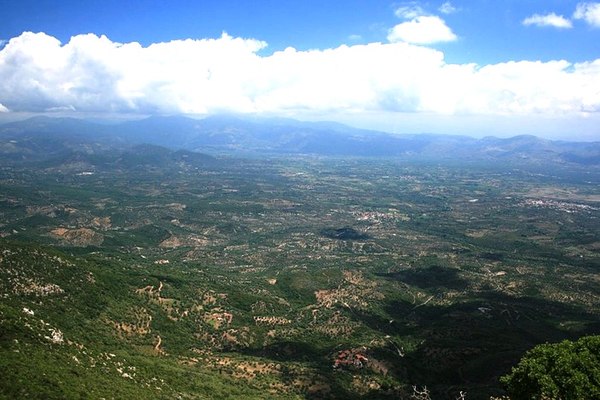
(171, 278)
(566, 370)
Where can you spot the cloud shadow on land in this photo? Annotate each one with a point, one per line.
(473, 343)
(430, 278)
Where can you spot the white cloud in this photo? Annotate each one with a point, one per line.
(553, 20)
(589, 12)
(422, 30)
(409, 11)
(3, 108)
(447, 8)
(92, 73)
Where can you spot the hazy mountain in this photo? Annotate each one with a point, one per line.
(41, 137)
(71, 142)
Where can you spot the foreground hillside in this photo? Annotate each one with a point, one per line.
(162, 274)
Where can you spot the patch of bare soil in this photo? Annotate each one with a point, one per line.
(78, 237)
(50, 211)
(103, 223)
(173, 242)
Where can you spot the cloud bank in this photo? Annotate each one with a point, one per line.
(227, 74)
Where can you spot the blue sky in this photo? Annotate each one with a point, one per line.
(529, 66)
(489, 31)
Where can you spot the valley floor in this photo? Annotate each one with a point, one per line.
(289, 278)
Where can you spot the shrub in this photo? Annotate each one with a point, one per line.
(567, 370)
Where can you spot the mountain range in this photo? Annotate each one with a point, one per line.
(43, 138)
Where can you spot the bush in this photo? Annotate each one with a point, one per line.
(567, 370)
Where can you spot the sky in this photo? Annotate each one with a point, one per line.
(479, 68)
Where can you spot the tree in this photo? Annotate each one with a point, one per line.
(567, 371)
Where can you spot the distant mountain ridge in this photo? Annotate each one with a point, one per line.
(39, 137)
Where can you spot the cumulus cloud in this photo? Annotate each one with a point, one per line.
(2, 108)
(553, 20)
(92, 73)
(589, 12)
(422, 30)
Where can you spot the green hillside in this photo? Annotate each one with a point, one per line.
(288, 278)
